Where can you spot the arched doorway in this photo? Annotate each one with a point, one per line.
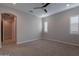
(8, 29)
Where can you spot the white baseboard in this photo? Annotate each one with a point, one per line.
(64, 42)
(26, 41)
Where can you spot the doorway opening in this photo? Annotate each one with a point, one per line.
(8, 29)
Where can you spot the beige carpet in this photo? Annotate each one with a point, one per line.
(40, 48)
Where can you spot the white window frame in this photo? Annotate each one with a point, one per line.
(46, 26)
(74, 25)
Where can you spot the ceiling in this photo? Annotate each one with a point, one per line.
(53, 8)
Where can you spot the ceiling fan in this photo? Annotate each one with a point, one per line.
(43, 7)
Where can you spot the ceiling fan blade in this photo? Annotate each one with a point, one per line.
(45, 5)
(42, 6)
(45, 10)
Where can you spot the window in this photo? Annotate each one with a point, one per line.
(74, 25)
(45, 26)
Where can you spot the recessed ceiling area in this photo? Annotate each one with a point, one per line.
(52, 8)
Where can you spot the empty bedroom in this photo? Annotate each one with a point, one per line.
(39, 29)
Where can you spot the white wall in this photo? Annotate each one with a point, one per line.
(28, 26)
(59, 27)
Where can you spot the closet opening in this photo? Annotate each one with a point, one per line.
(8, 29)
